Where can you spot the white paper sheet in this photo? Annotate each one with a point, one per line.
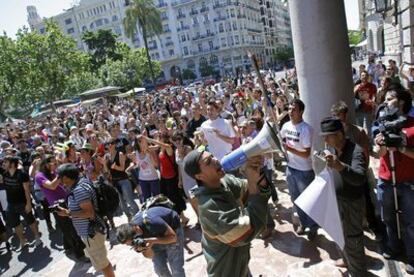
(319, 202)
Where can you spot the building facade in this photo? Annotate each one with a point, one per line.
(390, 32)
(195, 32)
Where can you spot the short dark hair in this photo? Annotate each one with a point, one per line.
(402, 95)
(299, 103)
(68, 170)
(125, 232)
(340, 107)
(212, 102)
(12, 159)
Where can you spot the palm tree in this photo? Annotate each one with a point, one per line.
(144, 16)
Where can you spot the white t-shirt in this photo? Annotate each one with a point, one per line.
(216, 145)
(298, 137)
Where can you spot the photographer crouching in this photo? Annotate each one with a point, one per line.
(156, 232)
(232, 211)
(82, 203)
(394, 139)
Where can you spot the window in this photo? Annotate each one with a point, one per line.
(157, 56)
(200, 47)
(185, 50)
(223, 42)
(232, 13)
(234, 26)
(221, 28)
(99, 22)
(42, 30)
(68, 21)
(70, 31)
(183, 38)
(118, 30)
(206, 19)
(114, 18)
(195, 20)
(165, 28)
(210, 44)
(236, 39)
(84, 28)
(171, 52)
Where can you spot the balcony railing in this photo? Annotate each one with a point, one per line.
(180, 16)
(204, 9)
(169, 43)
(183, 28)
(181, 2)
(220, 18)
(164, 17)
(204, 36)
(193, 12)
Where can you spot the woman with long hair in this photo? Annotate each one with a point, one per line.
(184, 181)
(147, 162)
(116, 164)
(169, 175)
(53, 191)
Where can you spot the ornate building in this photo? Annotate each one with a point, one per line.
(218, 32)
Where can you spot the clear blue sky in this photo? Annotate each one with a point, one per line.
(13, 13)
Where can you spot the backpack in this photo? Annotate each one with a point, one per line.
(107, 197)
(159, 200)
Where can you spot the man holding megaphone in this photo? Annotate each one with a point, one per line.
(232, 211)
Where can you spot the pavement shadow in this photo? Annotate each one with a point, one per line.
(81, 269)
(191, 235)
(56, 239)
(5, 258)
(36, 260)
(292, 245)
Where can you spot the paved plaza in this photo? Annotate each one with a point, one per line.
(283, 254)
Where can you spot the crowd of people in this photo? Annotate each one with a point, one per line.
(170, 143)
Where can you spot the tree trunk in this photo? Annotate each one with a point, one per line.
(144, 35)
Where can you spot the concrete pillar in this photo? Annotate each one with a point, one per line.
(322, 58)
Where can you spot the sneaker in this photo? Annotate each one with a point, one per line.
(312, 234)
(389, 256)
(300, 230)
(21, 247)
(409, 268)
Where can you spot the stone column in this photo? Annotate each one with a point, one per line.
(322, 56)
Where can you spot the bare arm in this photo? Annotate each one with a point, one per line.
(52, 185)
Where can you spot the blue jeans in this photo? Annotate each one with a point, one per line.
(172, 254)
(149, 188)
(298, 181)
(405, 194)
(127, 198)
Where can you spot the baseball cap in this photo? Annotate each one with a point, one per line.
(191, 163)
(330, 125)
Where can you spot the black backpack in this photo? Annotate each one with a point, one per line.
(107, 197)
(159, 200)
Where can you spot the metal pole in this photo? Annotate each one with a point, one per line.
(394, 187)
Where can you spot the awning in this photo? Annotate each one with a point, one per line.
(362, 43)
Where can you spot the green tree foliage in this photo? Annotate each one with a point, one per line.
(130, 71)
(206, 70)
(143, 16)
(9, 71)
(354, 36)
(49, 62)
(283, 54)
(102, 46)
(188, 74)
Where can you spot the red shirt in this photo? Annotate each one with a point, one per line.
(404, 165)
(167, 169)
(366, 93)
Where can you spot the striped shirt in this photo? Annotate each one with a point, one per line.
(81, 192)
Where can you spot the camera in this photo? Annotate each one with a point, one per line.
(61, 203)
(389, 123)
(139, 241)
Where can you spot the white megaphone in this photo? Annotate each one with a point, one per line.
(266, 141)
